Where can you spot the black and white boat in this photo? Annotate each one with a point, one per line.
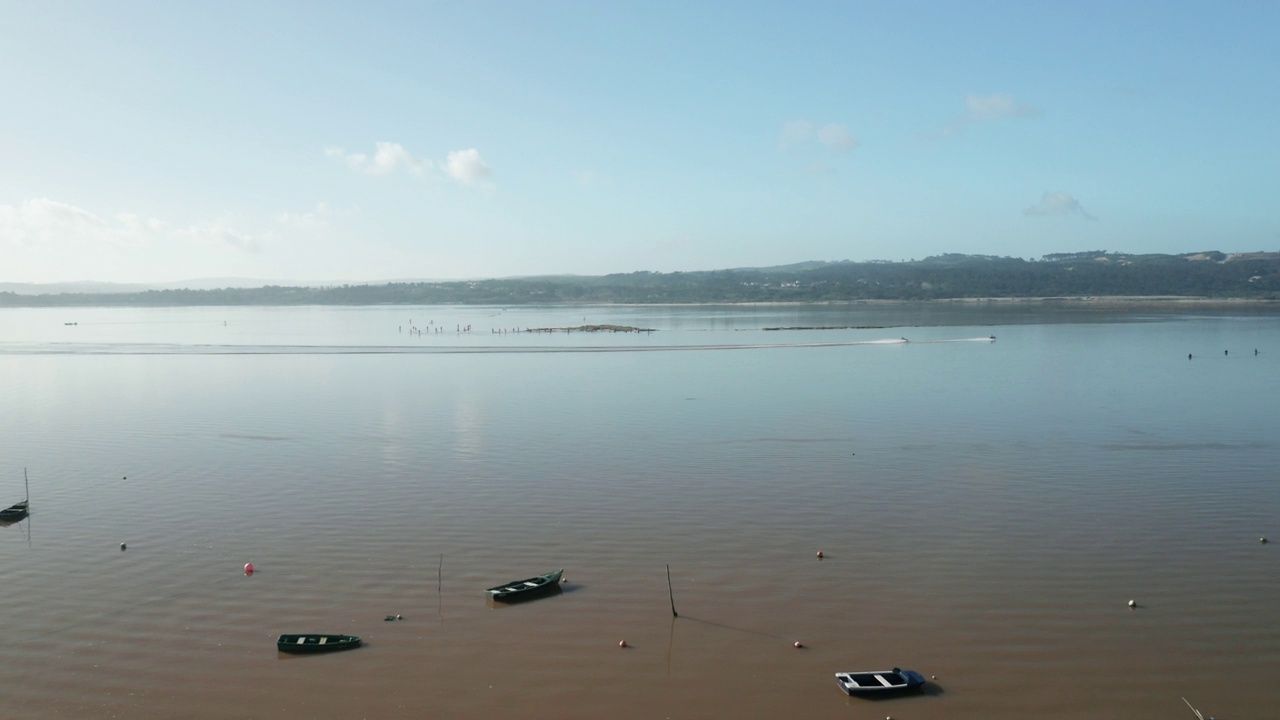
(316, 643)
(879, 682)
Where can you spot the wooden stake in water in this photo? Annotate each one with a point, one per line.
(26, 483)
(671, 594)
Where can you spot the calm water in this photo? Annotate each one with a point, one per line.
(986, 510)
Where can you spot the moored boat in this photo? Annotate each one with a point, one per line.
(15, 512)
(879, 682)
(527, 587)
(316, 643)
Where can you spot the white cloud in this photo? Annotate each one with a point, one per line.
(982, 109)
(802, 135)
(387, 158)
(40, 223)
(796, 132)
(589, 178)
(1058, 204)
(995, 107)
(467, 167)
(319, 218)
(818, 167)
(463, 166)
(218, 235)
(50, 238)
(837, 137)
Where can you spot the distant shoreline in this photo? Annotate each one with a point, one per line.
(1094, 300)
(1091, 301)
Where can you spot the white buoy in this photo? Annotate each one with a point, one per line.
(123, 547)
(1133, 603)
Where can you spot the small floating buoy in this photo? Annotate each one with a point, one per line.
(622, 643)
(1133, 603)
(124, 546)
(248, 568)
(933, 677)
(820, 555)
(798, 644)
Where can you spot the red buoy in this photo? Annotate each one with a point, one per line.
(799, 644)
(819, 554)
(622, 643)
(248, 568)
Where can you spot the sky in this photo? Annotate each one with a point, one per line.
(366, 141)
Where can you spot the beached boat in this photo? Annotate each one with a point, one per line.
(527, 587)
(879, 682)
(15, 512)
(316, 643)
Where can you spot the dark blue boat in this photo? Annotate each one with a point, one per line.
(879, 682)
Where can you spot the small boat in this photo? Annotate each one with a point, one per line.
(524, 588)
(316, 643)
(879, 682)
(15, 512)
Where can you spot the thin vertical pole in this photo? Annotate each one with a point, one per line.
(671, 594)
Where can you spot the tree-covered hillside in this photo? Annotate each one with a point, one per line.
(1099, 273)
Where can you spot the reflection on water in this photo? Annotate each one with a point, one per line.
(986, 510)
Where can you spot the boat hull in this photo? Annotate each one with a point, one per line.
(15, 512)
(879, 682)
(529, 587)
(310, 644)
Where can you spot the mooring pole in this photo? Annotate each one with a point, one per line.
(671, 594)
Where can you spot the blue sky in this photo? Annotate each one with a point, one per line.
(160, 141)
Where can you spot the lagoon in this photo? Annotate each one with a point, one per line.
(985, 509)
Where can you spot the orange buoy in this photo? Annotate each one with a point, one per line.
(248, 568)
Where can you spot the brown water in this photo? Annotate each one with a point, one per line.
(986, 511)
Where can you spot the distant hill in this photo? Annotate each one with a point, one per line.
(90, 287)
(1209, 274)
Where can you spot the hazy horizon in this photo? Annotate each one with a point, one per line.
(146, 141)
